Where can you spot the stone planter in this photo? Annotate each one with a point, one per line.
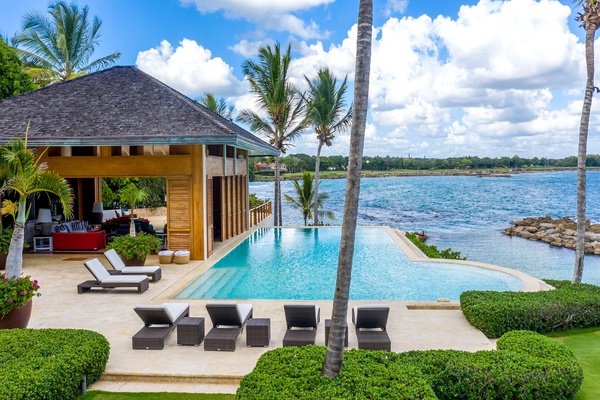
(133, 262)
(18, 318)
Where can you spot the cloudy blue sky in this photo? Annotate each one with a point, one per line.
(448, 78)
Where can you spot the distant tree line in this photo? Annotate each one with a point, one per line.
(304, 162)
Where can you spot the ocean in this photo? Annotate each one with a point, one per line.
(468, 214)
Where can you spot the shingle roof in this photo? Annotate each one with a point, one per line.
(118, 106)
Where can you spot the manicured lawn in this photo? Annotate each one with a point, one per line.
(585, 343)
(98, 395)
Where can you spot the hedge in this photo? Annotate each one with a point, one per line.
(49, 363)
(525, 366)
(569, 306)
(294, 373)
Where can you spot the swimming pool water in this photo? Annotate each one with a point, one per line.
(301, 263)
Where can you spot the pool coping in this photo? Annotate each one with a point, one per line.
(412, 252)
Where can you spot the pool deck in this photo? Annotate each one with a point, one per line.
(411, 326)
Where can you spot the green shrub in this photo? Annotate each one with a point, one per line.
(432, 251)
(49, 363)
(567, 307)
(525, 366)
(294, 373)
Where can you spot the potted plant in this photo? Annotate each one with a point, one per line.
(134, 249)
(15, 300)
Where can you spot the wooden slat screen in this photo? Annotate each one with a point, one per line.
(178, 203)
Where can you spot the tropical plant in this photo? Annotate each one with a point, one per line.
(59, 47)
(304, 200)
(23, 175)
(131, 194)
(13, 80)
(16, 292)
(5, 239)
(255, 201)
(590, 20)
(332, 365)
(282, 104)
(325, 111)
(138, 246)
(219, 106)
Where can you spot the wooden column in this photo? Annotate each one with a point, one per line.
(198, 221)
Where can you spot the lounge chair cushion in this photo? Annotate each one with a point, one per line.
(116, 262)
(124, 278)
(165, 313)
(244, 311)
(97, 269)
(139, 270)
(175, 310)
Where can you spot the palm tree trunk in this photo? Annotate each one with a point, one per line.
(14, 259)
(582, 153)
(332, 365)
(277, 199)
(316, 195)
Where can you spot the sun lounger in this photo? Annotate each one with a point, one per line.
(302, 321)
(228, 321)
(370, 322)
(108, 281)
(159, 321)
(153, 272)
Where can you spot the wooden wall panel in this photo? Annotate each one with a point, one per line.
(178, 209)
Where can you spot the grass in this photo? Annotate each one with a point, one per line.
(584, 343)
(100, 395)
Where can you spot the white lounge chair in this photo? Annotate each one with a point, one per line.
(152, 271)
(107, 281)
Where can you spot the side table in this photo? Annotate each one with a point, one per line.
(327, 327)
(190, 331)
(42, 243)
(258, 332)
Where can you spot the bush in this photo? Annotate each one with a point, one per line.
(567, 307)
(432, 251)
(525, 366)
(49, 363)
(294, 373)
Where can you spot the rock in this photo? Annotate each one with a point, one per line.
(557, 243)
(531, 229)
(595, 228)
(569, 232)
(546, 225)
(526, 235)
(592, 237)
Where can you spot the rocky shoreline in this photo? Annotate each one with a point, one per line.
(561, 232)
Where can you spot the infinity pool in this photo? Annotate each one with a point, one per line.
(301, 263)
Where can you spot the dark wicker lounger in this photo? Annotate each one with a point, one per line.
(107, 281)
(370, 322)
(154, 273)
(302, 321)
(228, 321)
(159, 321)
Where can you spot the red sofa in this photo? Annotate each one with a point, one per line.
(73, 241)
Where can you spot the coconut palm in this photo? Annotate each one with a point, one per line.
(22, 176)
(332, 365)
(325, 111)
(59, 47)
(590, 20)
(280, 101)
(305, 195)
(131, 194)
(219, 106)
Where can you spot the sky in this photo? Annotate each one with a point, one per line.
(448, 78)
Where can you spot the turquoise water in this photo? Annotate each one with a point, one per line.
(469, 214)
(289, 264)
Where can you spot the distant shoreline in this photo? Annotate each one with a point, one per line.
(483, 173)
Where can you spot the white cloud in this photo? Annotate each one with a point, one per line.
(189, 68)
(274, 15)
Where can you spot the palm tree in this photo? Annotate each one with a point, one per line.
(131, 194)
(59, 47)
(332, 365)
(282, 104)
(326, 114)
(23, 175)
(305, 196)
(589, 18)
(219, 106)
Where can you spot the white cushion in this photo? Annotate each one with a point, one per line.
(124, 278)
(97, 269)
(114, 259)
(139, 270)
(175, 310)
(244, 311)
